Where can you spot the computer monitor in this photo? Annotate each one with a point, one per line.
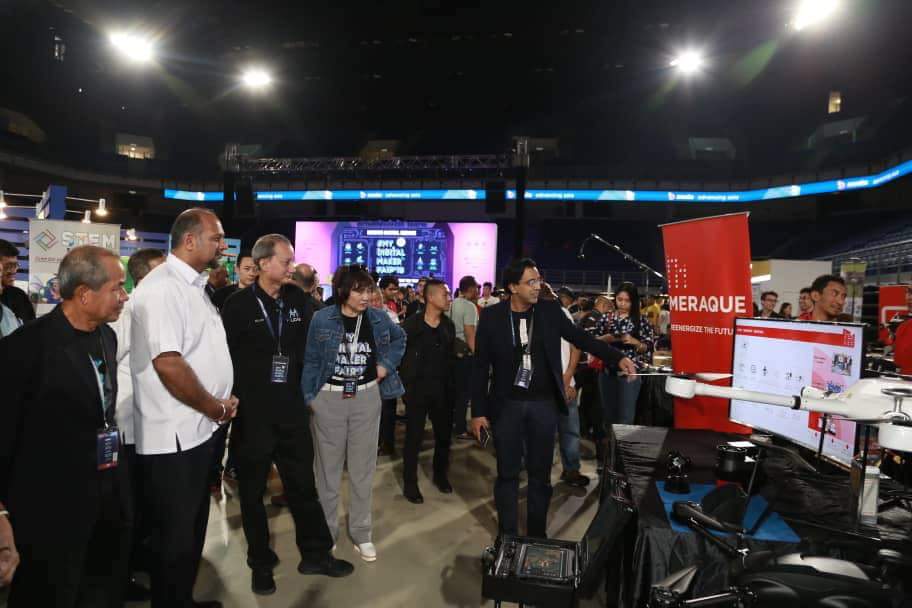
(781, 357)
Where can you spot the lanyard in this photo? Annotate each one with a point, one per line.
(277, 336)
(101, 393)
(527, 347)
(353, 345)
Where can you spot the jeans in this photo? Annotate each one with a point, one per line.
(568, 428)
(524, 428)
(463, 372)
(619, 398)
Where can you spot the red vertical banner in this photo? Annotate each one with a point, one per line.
(891, 301)
(709, 284)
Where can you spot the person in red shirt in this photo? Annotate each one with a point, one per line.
(902, 343)
(389, 285)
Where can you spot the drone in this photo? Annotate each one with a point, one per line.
(873, 401)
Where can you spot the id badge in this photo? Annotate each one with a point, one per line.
(523, 378)
(107, 448)
(279, 374)
(349, 389)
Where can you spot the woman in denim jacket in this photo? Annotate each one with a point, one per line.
(350, 365)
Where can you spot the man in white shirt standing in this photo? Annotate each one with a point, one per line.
(141, 263)
(182, 379)
(487, 298)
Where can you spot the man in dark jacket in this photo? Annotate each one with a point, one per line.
(58, 415)
(427, 373)
(519, 340)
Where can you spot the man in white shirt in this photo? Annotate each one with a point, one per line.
(487, 298)
(141, 263)
(464, 315)
(182, 379)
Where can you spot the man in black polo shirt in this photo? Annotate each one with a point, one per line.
(427, 373)
(11, 296)
(266, 325)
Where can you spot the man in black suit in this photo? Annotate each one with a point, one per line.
(59, 415)
(520, 340)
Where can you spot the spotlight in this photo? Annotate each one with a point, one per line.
(256, 78)
(87, 218)
(134, 48)
(102, 210)
(131, 234)
(812, 12)
(688, 62)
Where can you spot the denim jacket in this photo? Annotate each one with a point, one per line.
(323, 339)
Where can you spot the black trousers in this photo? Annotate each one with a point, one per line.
(590, 403)
(176, 503)
(139, 558)
(290, 446)
(68, 563)
(417, 408)
(388, 422)
(524, 428)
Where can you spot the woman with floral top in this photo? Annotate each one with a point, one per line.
(632, 334)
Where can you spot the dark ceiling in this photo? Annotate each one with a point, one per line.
(457, 76)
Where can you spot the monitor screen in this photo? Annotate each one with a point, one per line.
(409, 250)
(781, 357)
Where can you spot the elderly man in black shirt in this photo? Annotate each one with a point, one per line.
(267, 325)
(427, 373)
(59, 415)
(520, 340)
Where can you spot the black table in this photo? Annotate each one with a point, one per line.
(652, 549)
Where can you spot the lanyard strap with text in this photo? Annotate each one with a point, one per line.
(101, 392)
(276, 335)
(527, 346)
(353, 345)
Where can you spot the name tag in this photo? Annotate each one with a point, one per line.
(107, 447)
(279, 373)
(523, 378)
(350, 388)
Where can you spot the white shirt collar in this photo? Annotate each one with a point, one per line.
(186, 272)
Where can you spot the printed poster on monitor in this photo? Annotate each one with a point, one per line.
(49, 241)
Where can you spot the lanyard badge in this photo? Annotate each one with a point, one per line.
(278, 373)
(350, 385)
(523, 377)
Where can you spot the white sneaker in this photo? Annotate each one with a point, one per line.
(367, 551)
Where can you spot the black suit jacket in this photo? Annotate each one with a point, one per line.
(494, 352)
(50, 412)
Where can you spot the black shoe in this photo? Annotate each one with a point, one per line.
(412, 493)
(262, 582)
(209, 604)
(327, 566)
(136, 592)
(575, 479)
(443, 484)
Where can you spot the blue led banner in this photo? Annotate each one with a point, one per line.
(655, 196)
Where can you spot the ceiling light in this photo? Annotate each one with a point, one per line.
(256, 78)
(87, 218)
(102, 210)
(134, 48)
(688, 62)
(813, 12)
(131, 234)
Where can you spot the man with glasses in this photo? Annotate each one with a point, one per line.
(520, 340)
(768, 301)
(11, 296)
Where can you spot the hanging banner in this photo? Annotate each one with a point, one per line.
(892, 310)
(854, 274)
(709, 284)
(49, 241)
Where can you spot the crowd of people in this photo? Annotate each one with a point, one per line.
(141, 395)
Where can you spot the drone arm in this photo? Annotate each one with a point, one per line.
(688, 388)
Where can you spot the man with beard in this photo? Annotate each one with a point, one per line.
(182, 379)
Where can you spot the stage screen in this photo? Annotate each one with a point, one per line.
(781, 357)
(409, 250)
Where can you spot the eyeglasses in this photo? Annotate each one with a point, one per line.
(533, 283)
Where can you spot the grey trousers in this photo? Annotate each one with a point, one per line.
(346, 429)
